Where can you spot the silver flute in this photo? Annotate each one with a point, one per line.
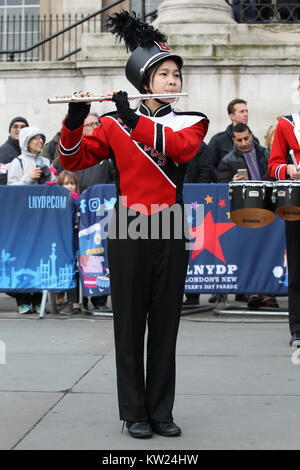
(100, 98)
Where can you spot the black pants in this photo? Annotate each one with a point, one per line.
(292, 233)
(33, 299)
(147, 284)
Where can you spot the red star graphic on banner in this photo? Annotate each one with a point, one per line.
(207, 236)
(222, 203)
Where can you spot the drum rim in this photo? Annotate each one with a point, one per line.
(287, 183)
(252, 183)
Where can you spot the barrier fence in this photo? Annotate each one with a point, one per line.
(38, 252)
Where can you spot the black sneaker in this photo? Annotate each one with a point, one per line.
(295, 340)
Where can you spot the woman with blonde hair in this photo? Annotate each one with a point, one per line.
(269, 137)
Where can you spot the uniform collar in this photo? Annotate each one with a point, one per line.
(162, 111)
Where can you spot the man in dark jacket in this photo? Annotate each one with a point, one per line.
(221, 144)
(199, 169)
(245, 155)
(11, 149)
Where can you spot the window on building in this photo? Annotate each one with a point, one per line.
(150, 6)
(19, 23)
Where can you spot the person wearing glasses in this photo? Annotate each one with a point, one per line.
(30, 167)
(11, 148)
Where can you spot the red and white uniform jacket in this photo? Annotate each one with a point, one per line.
(149, 161)
(286, 137)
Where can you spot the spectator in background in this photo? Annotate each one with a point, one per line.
(245, 154)
(101, 173)
(221, 144)
(50, 149)
(29, 168)
(199, 169)
(11, 148)
(269, 137)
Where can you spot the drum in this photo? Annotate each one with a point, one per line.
(251, 203)
(286, 196)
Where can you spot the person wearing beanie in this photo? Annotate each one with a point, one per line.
(11, 148)
(150, 147)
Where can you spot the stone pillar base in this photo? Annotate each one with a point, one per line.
(189, 15)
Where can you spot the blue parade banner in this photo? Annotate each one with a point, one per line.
(224, 258)
(95, 206)
(37, 248)
(230, 258)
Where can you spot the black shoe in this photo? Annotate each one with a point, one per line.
(212, 299)
(191, 300)
(241, 298)
(255, 301)
(295, 340)
(166, 429)
(139, 429)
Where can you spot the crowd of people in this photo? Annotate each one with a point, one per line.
(25, 156)
(148, 274)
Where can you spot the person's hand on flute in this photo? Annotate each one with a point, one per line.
(77, 112)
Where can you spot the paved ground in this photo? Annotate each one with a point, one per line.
(237, 387)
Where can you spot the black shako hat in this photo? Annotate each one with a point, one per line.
(148, 45)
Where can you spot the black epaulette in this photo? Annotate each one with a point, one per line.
(111, 113)
(288, 118)
(191, 113)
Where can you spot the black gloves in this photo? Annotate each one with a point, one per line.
(76, 115)
(78, 112)
(128, 116)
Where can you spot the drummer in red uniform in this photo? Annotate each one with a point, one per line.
(283, 165)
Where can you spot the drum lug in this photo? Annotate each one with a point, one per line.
(244, 192)
(230, 193)
(274, 197)
(263, 192)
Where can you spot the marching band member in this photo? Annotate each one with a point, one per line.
(281, 167)
(150, 148)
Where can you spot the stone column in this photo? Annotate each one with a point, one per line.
(188, 15)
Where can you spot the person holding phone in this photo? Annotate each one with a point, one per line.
(246, 161)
